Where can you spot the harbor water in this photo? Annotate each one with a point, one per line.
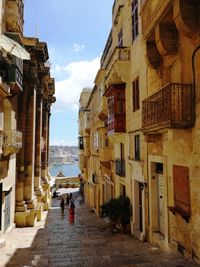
(68, 170)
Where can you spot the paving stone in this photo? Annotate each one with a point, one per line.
(89, 242)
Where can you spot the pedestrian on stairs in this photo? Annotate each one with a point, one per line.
(71, 211)
(62, 206)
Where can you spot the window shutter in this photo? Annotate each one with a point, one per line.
(182, 188)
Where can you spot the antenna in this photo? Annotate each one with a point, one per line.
(37, 31)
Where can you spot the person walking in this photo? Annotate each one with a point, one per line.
(62, 206)
(67, 200)
(71, 211)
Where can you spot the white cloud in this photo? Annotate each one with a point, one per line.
(78, 48)
(80, 74)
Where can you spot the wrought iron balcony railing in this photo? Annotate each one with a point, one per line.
(171, 107)
(120, 167)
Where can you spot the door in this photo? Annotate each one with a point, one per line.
(7, 210)
(161, 214)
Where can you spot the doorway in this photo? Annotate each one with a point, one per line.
(7, 210)
(161, 214)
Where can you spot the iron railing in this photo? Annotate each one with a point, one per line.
(170, 107)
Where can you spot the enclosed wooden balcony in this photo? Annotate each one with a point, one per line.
(14, 16)
(120, 167)
(171, 107)
(12, 142)
(16, 79)
(116, 122)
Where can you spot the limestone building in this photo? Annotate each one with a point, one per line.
(26, 95)
(147, 91)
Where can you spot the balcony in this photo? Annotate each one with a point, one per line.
(171, 107)
(120, 167)
(116, 122)
(117, 68)
(51, 86)
(151, 12)
(14, 16)
(117, 6)
(16, 79)
(102, 109)
(4, 88)
(12, 142)
(42, 52)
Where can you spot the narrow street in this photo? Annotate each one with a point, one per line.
(87, 242)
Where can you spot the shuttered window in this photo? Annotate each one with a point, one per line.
(134, 15)
(136, 98)
(120, 38)
(181, 189)
(137, 147)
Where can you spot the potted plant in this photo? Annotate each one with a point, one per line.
(118, 211)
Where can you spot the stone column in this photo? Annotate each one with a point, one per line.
(38, 146)
(46, 185)
(21, 125)
(30, 148)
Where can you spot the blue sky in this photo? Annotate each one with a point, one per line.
(76, 32)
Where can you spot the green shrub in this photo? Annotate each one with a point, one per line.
(117, 210)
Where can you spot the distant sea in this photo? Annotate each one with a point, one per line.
(69, 170)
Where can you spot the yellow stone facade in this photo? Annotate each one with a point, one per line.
(26, 94)
(143, 112)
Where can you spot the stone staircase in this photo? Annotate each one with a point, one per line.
(88, 242)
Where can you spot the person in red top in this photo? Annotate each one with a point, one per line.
(71, 211)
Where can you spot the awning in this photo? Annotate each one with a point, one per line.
(13, 47)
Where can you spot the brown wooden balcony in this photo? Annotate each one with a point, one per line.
(16, 79)
(171, 107)
(14, 16)
(116, 122)
(120, 167)
(151, 12)
(12, 142)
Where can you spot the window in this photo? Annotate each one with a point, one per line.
(134, 19)
(136, 101)
(137, 147)
(96, 140)
(181, 190)
(120, 39)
